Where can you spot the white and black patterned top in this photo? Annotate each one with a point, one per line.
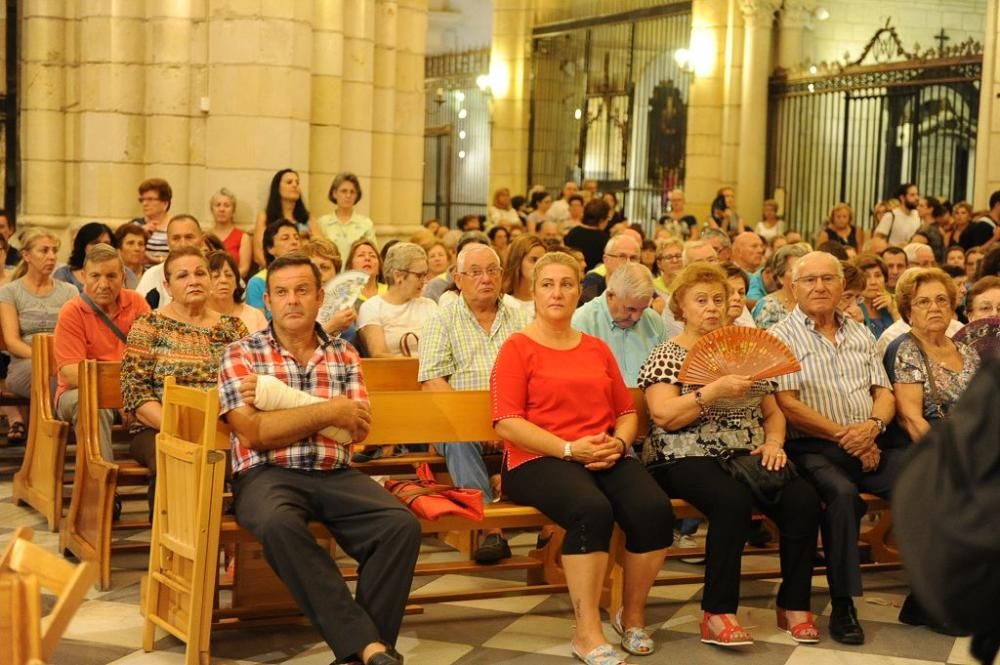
(729, 423)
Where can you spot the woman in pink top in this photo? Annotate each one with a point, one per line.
(568, 422)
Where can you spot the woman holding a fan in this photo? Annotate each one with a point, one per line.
(568, 421)
(697, 428)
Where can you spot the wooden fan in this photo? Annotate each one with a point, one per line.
(737, 350)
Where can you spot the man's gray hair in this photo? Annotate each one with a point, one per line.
(708, 234)
(837, 268)
(610, 245)
(102, 252)
(691, 245)
(400, 257)
(912, 249)
(632, 280)
(473, 247)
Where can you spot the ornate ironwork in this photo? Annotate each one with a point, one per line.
(452, 71)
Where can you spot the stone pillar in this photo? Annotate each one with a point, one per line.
(383, 111)
(988, 134)
(732, 86)
(758, 16)
(327, 93)
(791, 21)
(705, 127)
(408, 128)
(43, 127)
(510, 71)
(357, 97)
(106, 159)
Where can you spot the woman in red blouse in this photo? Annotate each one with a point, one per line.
(567, 421)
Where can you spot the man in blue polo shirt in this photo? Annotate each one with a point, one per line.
(621, 316)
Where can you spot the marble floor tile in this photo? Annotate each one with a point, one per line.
(118, 624)
(814, 656)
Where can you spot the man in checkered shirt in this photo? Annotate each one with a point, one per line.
(286, 472)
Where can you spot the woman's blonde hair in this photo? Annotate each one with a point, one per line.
(555, 258)
(696, 273)
(325, 249)
(913, 278)
(29, 238)
(841, 206)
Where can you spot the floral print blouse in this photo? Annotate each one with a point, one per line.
(730, 423)
(904, 362)
(159, 346)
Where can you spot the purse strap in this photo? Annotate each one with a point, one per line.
(105, 318)
(935, 396)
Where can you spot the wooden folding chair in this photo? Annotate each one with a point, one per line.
(59, 577)
(20, 619)
(86, 529)
(39, 483)
(184, 552)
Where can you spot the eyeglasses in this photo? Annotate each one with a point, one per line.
(476, 273)
(670, 257)
(942, 302)
(418, 275)
(986, 309)
(811, 280)
(631, 258)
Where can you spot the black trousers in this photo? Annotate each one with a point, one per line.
(839, 479)
(588, 503)
(728, 504)
(369, 524)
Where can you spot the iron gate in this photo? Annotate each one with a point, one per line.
(854, 132)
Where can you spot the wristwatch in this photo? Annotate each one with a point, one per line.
(568, 451)
(879, 422)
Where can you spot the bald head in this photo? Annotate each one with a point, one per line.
(748, 251)
(621, 249)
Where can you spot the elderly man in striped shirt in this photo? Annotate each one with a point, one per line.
(836, 406)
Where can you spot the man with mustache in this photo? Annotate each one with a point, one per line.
(94, 326)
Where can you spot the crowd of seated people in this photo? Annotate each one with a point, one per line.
(528, 302)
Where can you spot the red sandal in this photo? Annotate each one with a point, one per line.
(803, 633)
(727, 637)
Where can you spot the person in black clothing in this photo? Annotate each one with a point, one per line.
(966, 232)
(588, 237)
(7, 230)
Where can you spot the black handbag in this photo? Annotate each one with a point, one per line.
(766, 485)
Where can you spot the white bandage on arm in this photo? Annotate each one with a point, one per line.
(271, 395)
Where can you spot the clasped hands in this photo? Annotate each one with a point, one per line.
(341, 411)
(858, 440)
(596, 452)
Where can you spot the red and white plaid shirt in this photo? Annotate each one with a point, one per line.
(334, 369)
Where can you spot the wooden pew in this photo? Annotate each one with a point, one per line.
(67, 582)
(86, 530)
(383, 374)
(20, 619)
(39, 483)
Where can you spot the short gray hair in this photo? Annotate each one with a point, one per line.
(472, 247)
(797, 268)
(102, 252)
(610, 245)
(912, 249)
(692, 245)
(223, 192)
(400, 257)
(784, 255)
(632, 280)
(708, 234)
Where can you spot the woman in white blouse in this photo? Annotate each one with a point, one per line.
(390, 324)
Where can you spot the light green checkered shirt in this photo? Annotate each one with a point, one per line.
(455, 347)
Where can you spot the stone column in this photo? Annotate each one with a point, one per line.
(325, 119)
(383, 110)
(510, 70)
(42, 127)
(106, 159)
(988, 134)
(758, 17)
(791, 21)
(357, 97)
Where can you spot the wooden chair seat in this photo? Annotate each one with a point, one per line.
(39, 482)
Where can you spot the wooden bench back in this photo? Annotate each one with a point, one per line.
(43, 370)
(382, 374)
(447, 416)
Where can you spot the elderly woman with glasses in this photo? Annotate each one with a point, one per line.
(390, 324)
(929, 373)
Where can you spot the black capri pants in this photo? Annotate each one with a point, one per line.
(588, 503)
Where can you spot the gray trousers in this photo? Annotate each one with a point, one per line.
(276, 504)
(66, 410)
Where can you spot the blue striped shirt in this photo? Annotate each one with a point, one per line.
(835, 380)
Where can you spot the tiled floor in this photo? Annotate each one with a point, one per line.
(526, 630)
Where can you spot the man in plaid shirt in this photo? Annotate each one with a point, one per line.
(286, 473)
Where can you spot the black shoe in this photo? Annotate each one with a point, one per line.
(388, 657)
(912, 613)
(844, 626)
(493, 549)
(758, 536)
(116, 512)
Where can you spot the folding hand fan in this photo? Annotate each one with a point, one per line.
(737, 350)
(341, 292)
(983, 335)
